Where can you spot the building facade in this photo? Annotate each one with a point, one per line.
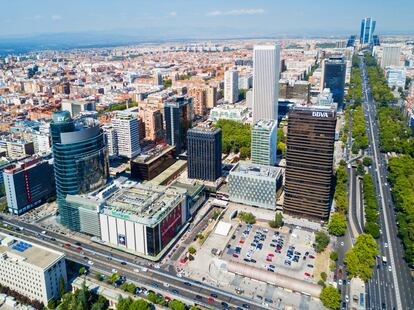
(126, 126)
(390, 56)
(367, 30)
(333, 77)
(80, 161)
(30, 269)
(204, 153)
(264, 142)
(266, 72)
(231, 86)
(28, 183)
(199, 96)
(178, 114)
(309, 161)
(255, 185)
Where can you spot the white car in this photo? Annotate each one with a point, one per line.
(389, 268)
(386, 245)
(346, 298)
(90, 262)
(179, 275)
(342, 243)
(136, 270)
(340, 282)
(166, 284)
(114, 271)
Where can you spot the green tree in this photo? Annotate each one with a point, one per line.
(114, 277)
(140, 304)
(52, 304)
(244, 152)
(330, 297)
(82, 270)
(367, 161)
(321, 283)
(321, 241)
(235, 135)
(152, 297)
(337, 224)
(192, 250)
(360, 170)
(62, 286)
(247, 217)
(98, 277)
(124, 303)
(176, 305)
(278, 222)
(333, 256)
(324, 276)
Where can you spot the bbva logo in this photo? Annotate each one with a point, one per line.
(320, 114)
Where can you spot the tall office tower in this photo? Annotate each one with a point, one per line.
(127, 133)
(204, 152)
(111, 140)
(199, 100)
(158, 79)
(211, 99)
(333, 77)
(28, 183)
(309, 161)
(80, 161)
(178, 114)
(231, 86)
(266, 70)
(367, 30)
(390, 56)
(264, 140)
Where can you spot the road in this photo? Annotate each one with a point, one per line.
(104, 261)
(387, 289)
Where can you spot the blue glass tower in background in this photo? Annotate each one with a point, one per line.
(80, 161)
(367, 30)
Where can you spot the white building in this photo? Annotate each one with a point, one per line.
(266, 71)
(264, 140)
(111, 140)
(246, 81)
(390, 56)
(396, 77)
(30, 269)
(325, 98)
(231, 86)
(76, 107)
(126, 127)
(232, 112)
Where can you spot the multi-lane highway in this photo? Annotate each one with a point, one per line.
(391, 286)
(105, 261)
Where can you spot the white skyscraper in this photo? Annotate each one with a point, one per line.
(390, 56)
(127, 134)
(266, 62)
(231, 86)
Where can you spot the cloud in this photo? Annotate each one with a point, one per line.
(173, 13)
(56, 17)
(236, 12)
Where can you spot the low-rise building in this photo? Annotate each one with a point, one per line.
(232, 112)
(30, 269)
(255, 185)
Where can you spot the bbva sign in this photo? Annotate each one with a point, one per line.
(320, 114)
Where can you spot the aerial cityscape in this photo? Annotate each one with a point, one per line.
(232, 161)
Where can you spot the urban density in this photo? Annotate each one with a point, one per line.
(256, 172)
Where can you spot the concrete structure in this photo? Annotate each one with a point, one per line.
(153, 122)
(17, 148)
(28, 183)
(126, 127)
(211, 97)
(232, 112)
(76, 107)
(231, 86)
(204, 152)
(199, 100)
(396, 77)
(391, 54)
(367, 30)
(158, 79)
(294, 90)
(80, 161)
(30, 269)
(111, 140)
(253, 184)
(325, 98)
(266, 70)
(309, 161)
(263, 145)
(333, 77)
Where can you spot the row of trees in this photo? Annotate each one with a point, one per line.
(371, 207)
(20, 298)
(401, 178)
(236, 137)
(360, 259)
(355, 87)
(359, 130)
(341, 198)
(247, 217)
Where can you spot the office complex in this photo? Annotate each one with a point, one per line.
(204, 152)
(150, 164)
(396, 76)
(28, 183)
(253, 184)
(126, 127)
(390, 56)
(77, 107)
(239, 113)
(111, 140)
(178, 114)
(309, 161)
(263, 144)
(266, 63)
(30, 269)
(80, 161)
(231, 86)
(367, 30)
(333, 77)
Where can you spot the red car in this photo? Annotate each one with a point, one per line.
(210, 299)
(241, 241)
(235, 255)
(278, 248)
(67, 245)
(307, 274)
(268, 259)
(79, 248)
(167, 298)
(271, 254)
(311, 256)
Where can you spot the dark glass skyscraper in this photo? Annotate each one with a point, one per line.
(204, 153)
(367, 30)
(80, 161)
(309, 161)
(178, 114)
(333, 77)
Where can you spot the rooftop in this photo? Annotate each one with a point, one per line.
(17, 249)
(244, 167)
(265, 124)
(154, 154)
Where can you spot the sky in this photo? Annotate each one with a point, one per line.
(203, 18)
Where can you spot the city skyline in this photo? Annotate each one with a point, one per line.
(201, 19)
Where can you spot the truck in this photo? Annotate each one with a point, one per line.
(384, 260)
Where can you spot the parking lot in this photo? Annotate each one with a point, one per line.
(285, 251)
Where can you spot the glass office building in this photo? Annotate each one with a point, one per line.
(264, 141)
(333, 77)
(80, 161)
(367, 30)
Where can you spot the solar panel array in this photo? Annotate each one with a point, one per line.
(21, 246)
